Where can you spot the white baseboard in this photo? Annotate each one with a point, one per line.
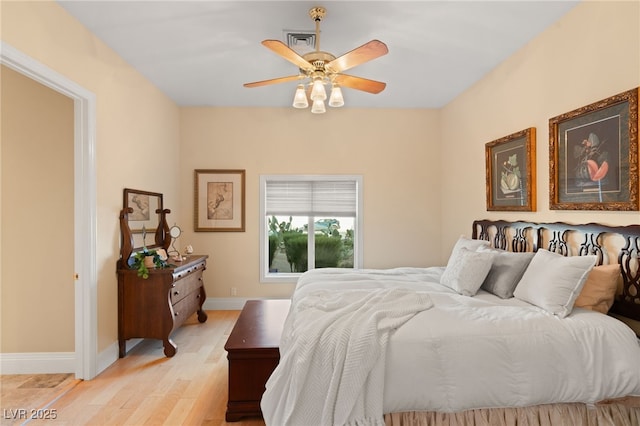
(224, 303)
(227, 303)
(112, 353)
(37, 363)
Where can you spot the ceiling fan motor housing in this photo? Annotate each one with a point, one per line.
(318, 60)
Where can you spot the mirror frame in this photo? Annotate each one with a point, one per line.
(161, 231)
(126, 203)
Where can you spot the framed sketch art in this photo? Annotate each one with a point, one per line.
(219, 200)
(511, 172)
(593, 156)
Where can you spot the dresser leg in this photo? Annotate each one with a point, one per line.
(122, 347)
(170, 348)
(202, 315)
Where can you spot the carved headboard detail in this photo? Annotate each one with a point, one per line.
(611, 244)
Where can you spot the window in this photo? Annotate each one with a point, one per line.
(309, 222)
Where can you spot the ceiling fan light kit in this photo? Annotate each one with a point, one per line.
(336, 100)
(317, 90)
(300, 98)
(319, 68)
(318, 107)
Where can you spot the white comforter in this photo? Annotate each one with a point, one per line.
(334, 351)
(479, 352)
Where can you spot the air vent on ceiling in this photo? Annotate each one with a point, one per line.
(300, 41)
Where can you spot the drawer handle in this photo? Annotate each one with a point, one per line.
(200, 279)
(198, 296)
(175, 293)
(175, 314)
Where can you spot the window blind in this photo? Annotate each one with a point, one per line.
(311, 197)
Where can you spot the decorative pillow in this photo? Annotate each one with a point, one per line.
(469, 244)
(553, 282)
(466, 270)
(506, 271)
(600, 288)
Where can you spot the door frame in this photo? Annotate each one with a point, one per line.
(85, 216)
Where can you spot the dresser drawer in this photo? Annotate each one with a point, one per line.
(185, 308)
(186, 285)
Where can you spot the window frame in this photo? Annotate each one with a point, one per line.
(280, 277)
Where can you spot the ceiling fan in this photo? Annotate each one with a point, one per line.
(320, 68)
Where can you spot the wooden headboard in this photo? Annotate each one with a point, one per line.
(611, 244)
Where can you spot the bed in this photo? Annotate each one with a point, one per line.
(527, 323)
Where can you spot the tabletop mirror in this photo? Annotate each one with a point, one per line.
(142, 222)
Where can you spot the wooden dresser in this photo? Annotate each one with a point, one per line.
(253, 354)
(154, 307)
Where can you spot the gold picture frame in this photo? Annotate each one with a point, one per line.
(219, 200)
(593, 156)
(511, 172)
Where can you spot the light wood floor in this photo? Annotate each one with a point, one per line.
(146, 388)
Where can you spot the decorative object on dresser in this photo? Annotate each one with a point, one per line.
(174, 233)
(155, 305)
(253, 354)
(511, 172)
(219, 200)
(593, 156)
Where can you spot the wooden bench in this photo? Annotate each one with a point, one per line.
(252, 351)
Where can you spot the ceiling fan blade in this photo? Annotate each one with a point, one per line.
(360, 83)
(365, 53)
(272, 81)
(287, 53)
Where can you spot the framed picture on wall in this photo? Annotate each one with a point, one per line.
(511, 172)
(593, 156)
(219, 200)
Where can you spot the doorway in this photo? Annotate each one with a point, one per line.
(84, 200)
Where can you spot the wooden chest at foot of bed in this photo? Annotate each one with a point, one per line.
(252, 351)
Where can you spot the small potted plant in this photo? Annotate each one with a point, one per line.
(145, 259)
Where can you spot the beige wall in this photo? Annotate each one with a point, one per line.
(37, 217)
(590, 54)
(396, 151)
(137, 129)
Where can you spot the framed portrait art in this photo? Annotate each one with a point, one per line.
(511, 172)
(593, 156)
(219, 200)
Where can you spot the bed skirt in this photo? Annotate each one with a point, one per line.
(619, 412)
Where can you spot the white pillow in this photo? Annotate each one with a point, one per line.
(466, 270)
(553, 282)
(467, 243)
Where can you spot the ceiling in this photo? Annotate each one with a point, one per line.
(199, 53)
